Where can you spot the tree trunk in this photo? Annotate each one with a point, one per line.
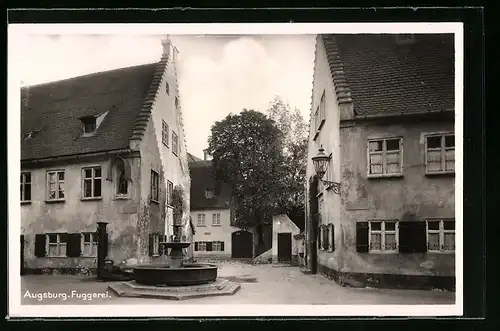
(258, 228)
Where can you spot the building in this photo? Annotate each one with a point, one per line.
(383, 214)
(108, 147)
(210, 212)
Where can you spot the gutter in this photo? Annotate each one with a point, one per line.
(77, 156)
(356, 117)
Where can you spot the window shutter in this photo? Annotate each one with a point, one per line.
(40, 245)
(326, 240)
(333, 236)
(196, 246)
(151, 244)
(362, 237)
(73, 246)
(412, 237)
(222, 246)
(209, 246)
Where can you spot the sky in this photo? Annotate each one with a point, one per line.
(218, 74)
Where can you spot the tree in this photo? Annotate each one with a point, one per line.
(247, 153)
(295, 131)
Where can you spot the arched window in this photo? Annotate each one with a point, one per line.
(122, 182)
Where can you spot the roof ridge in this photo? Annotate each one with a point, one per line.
(335, 63)
(27, 87)
(150, 98)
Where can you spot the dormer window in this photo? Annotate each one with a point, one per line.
(89, 125)
(403, 39)
(209, 193)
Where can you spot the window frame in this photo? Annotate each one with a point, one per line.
(117, 173)
(331, 237)
(384, 157)
(216, 219)
(92, 181)
(443, 149)
(200, 244)
(320, 115)
(58, 244)
(165, 133)
(201, 216)
(93, 242)
(209, 196)
(175, 143)
(217, 244)
(92, 121)
(383, 234)
(24, 183)
(441, 233)
(57, 182)
(170, 193)
(156, 244)
(154, 184)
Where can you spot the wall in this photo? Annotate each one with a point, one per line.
(75, 215)
(283, 224)
(213, 233)
(175, 167)
(328, 138)
(414, 196)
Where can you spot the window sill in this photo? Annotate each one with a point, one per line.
(25, 202)
(440, 252)
(155, 201)
(55, 201)
(121, 197)
(217, 225)
(170, 206)
(91, 199)
(55, 256)
(89, 256)
(440, 173)
(381, 176)
(201, 226)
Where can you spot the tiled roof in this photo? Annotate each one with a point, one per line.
(382, 76)
(202, 178)
(53, 110)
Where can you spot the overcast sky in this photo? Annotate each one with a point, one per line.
(217, 74)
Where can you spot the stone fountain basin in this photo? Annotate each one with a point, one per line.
(165, 275)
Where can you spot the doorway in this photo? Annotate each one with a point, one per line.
(284, 247)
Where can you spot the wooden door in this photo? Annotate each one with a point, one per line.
(241, 245)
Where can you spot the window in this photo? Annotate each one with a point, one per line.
(89, 244)
(383, 236)
(55, 181)
(200, 246)
(167, 88)
(25, 186)
(402, 39)
(170, 193)
(56, 244)
(156, 244)
(218, 246)
(331, 238)
(320, 114)
(209, 193)
(325, 243)
(175, 143)
(201, 220)
(216, 219)
(122, 183)
(92, 179)
(440, 235)
(89, 125)
(155, 182)
(164, 133)
(385, 157)
(440, 154)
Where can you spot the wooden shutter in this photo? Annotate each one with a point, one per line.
(362, 237)
(151, 244)
(209, 246)
(196, 246)
(222, 246)
(412, 237)
(40, 245)
(73, 245)
(332, 235)
(326, 240)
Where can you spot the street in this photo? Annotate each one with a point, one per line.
(260, 284)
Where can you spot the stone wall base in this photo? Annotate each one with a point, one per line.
(61, 271)
(393, 281)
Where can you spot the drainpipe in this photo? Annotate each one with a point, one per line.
(101, 248)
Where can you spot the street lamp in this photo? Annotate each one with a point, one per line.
(320, 163)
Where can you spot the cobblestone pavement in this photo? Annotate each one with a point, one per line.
(260, 284)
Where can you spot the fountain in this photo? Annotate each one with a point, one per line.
(175, 279)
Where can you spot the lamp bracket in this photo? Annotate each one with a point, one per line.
(334, 186)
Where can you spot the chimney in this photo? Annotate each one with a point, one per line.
(206, 155)
(167, 46)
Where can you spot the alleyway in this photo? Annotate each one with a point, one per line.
(261, 284)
